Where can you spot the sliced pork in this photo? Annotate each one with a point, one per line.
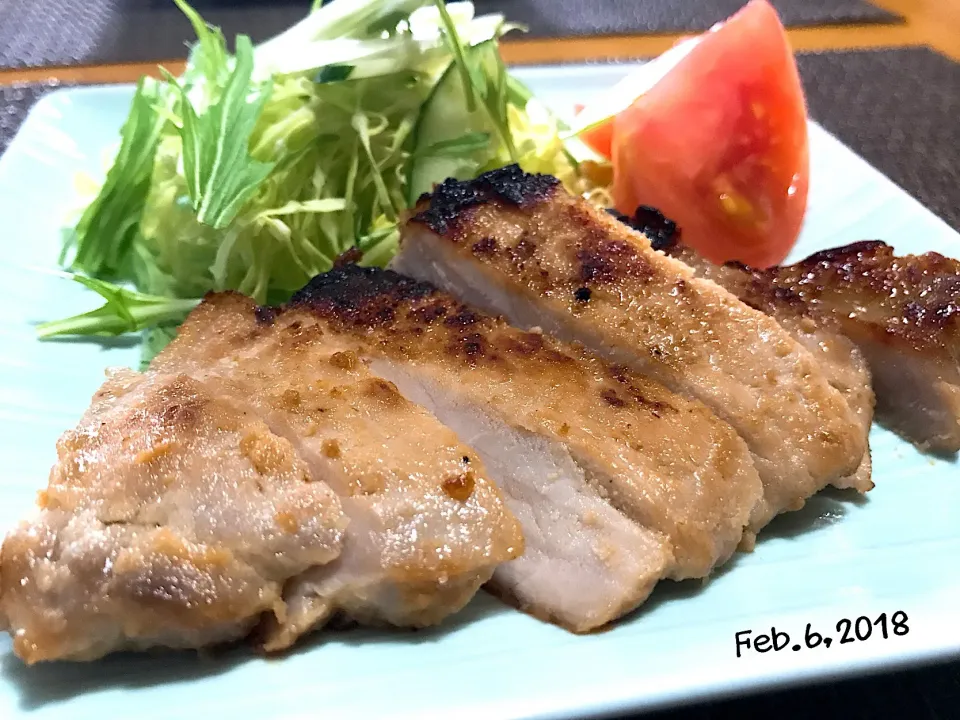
(903, 313)
(173, 517)
(518, 245)
(248, 479)
(617, 481)
(840, 359)
(426, 525)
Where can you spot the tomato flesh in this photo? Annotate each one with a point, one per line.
(720, 143)
(599, 116)
(599, 138)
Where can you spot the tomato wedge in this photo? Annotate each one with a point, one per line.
(594, 123)
(599, 138)
(719, 144)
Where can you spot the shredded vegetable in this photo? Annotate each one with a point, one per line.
(254, 170)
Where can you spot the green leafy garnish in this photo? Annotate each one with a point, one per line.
(481, 86)
(107, 229)
(467, 144)
(220, 173)
(254, 170)
(155, 339)
(459, 54)
(123, 312)
(334, 73)
(209, 57)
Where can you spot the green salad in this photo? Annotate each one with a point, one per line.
(254, 170)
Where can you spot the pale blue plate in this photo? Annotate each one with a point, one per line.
(838, 558)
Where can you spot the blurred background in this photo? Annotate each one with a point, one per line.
(54, 32)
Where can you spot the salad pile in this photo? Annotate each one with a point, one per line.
(255, 169)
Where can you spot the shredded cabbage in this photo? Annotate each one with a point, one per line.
(254, 170)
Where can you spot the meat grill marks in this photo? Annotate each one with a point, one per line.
(617, 482)
(518, 245)
(248, 478)
(903, 313)
(841, 361)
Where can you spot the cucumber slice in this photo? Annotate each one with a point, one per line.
(448, 138)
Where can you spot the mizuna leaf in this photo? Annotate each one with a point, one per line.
(220, 173)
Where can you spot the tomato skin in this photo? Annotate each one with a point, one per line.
(720, 144)
(599, 134)
(599, 138)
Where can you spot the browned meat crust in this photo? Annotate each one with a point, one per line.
(519, 245)
(358, 299)
(912, 301)
(839, 358)
(252, 474)
(903, 313)
(510, 184)
(628, 425)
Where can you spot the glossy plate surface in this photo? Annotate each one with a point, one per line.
(838, 558)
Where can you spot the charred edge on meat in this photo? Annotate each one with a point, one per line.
(508, 184)
(661, 231)
(363, 296)
(872, 267)
(357, 299)
(866, 271)
(846, 253)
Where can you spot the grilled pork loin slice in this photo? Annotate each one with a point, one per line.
(268, 483)
(617, 481)
(426, 525)
(173, 517)
(904, 315)
(841, 361)
(520, 246)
